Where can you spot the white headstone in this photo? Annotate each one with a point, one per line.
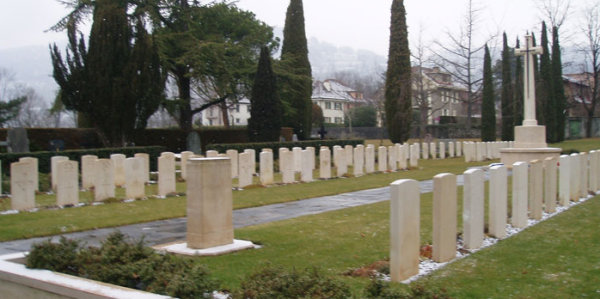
(212, 154)
(359, 157)
(425, 150)
(575, 187)
(119, 165)
(297, 159)
(433, 150)
(444, 217)
(33, 162)
(266, 168)
(370, 159)
(442, 150)
(550, 171)
(564, 181)
(311, 157)
(473, 212)
(325, 163)
(286, 166)
(104, 185)
(233, 158)
(135, 178)
(21, 186)
(67, 186)
(393, 164)
(185, 156)
(451, 147)
(307, 172)
(341, 167)
(53, 161)
(166, 174)
(536, 188)
(414, 156)
(349, 152)
(519, 194)
(382, 159)
(88, 171)
(246, 169)
(498, 202)
(405, 221)
(584, 176)
(145, 165)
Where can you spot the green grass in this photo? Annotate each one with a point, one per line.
(53, 221)
(550, 255)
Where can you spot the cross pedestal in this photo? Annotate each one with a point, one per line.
(530, 139)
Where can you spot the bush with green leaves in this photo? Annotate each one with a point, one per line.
(379, 289)
(272, 282)
(120, 262)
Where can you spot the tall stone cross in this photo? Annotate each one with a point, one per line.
(529, 51)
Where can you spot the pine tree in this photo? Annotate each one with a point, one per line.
(559, 89)
(507, 93)
(398, 105)
(297, 82)
(488, 109)
(265, 108)
(545, 92)
(518, 89)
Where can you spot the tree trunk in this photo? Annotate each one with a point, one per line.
(185, 107)
(225, 114)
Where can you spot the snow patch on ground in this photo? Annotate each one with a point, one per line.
(427, 266)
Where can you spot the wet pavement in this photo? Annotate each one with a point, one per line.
(166, 231)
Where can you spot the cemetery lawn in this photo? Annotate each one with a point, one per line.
(558, 258)
(52, 221)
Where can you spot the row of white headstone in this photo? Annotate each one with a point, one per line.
(534, 190)
(481, 151)
(103, 175)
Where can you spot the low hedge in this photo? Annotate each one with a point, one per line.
(75, 155)
(258, 146)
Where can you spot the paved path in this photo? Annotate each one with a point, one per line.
(165, 231)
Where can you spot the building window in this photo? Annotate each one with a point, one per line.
(327, 120)
(445, 112)
(237, 120)
(210, 122)
(237, 108)
(338, 106)
(327, 105)
(338, 120)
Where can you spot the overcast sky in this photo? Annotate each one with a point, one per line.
(359, 24)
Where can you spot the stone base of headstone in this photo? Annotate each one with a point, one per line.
(181, 248)
(509, 156)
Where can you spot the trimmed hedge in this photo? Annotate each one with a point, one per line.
(258, 146)
(75, 155)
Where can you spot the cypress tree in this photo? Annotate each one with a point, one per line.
(545, 93)
(507, 93)
(265, 108)
(539, 104)
(560, 101)
(518, 89)
(398, 105)
(297, 85)
(488, 109)
(113, 84)
(107, 59)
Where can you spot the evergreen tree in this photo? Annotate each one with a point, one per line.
(398, 99)
(507, 93)
(488, 109)
(112, 84)
(265, 108)
(147, 81)
(518, 89)
(560, 101)
(545, 92)
(539, 103)
(297, 81)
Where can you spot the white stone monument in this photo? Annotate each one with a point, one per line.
(530, 138)
(405, 239)
(67, 185)
(88, 171)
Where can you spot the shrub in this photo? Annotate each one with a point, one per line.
(379, 289)
(279, 283)
(131, 265)
(75, 155)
